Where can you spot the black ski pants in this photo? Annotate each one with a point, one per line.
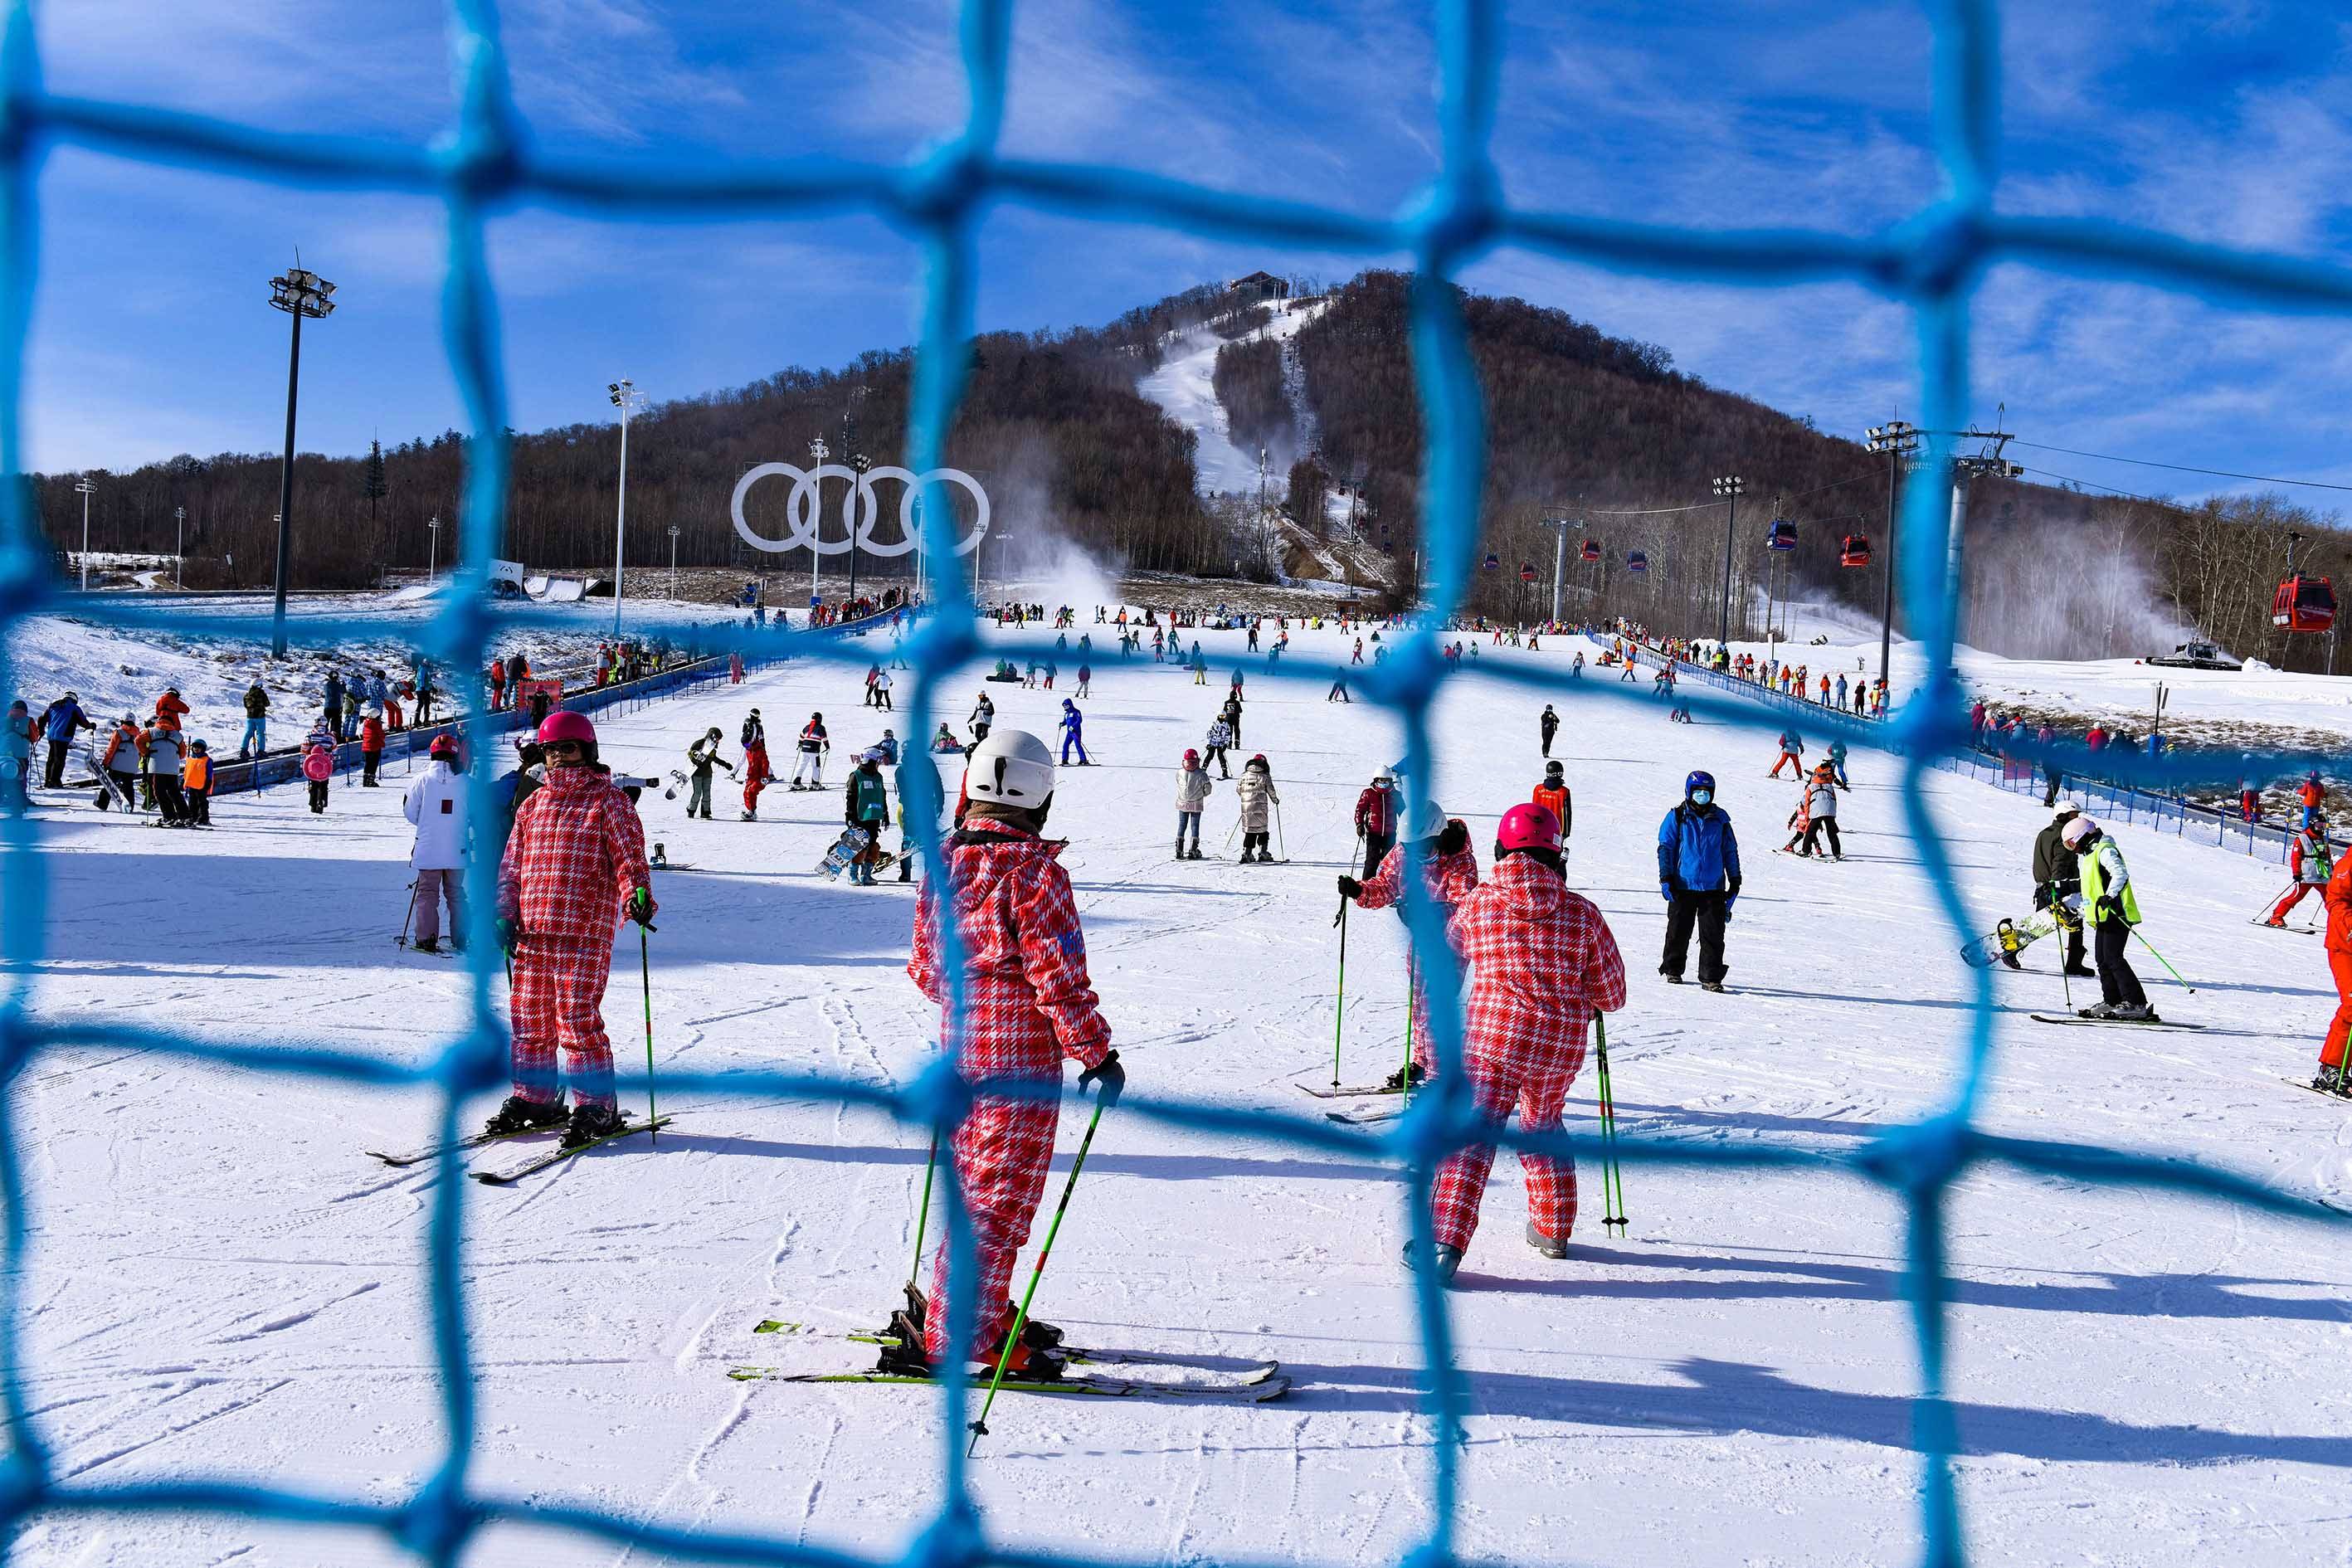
(1217, 755)
(168, 798)
(1703, 911)
(54, 775)
(1376, 849)
(1549, 727)
(1814, 832)
(2118, 983)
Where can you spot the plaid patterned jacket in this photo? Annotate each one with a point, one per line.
(1448, 877)
(1029, 999)
(577, 852)
(1541, 960)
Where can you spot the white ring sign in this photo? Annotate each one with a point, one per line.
(802, 508)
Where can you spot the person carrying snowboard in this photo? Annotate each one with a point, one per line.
(1257, 797)
(1542, 964)
(435, 806)
(1028, 1003)
(574, 865)
(1698, 877)
(814, 746)
(1552, 796)
(1449, 870)
(2310, 861)
(2111, 907)
(701, 757)
(1192, 787)
(1548, 721)
(2057, 878)
(867, 803)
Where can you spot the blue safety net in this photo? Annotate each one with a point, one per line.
(1931, 263)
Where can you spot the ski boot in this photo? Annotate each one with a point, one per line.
(589, 1123)
(1195, 855)
(1027, 1362)
(427, 944)
(1671, 979)
(2135, 1013)
(750, 817)
(1410, 1076)
(1714, 985)
(2081, 972)
(1448, 1259)
(2096, 1010)
(2333, 1081)
(2009, 961)
(1554, 1247)
(520, 1115)
(1248, 857)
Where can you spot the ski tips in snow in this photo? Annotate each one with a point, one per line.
(557, 1156)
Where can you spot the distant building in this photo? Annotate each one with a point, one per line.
(1260, 286)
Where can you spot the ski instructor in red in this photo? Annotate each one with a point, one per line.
(575, 864)
(1541, 962)
(1028, 1003)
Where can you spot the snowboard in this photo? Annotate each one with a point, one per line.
(2009, 936)
(845, 848)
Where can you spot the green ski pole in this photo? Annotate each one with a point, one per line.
(1612, 1180)
(1411, 982)
(1021, 1313)
(1340, 1007)
(923, 1220)
(646, 968)
(2161, 959)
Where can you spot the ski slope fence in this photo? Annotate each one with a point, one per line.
(2108, 801)
(487, 164)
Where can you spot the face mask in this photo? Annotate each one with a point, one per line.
(1702, 796)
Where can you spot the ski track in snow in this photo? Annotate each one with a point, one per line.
(220, 1280)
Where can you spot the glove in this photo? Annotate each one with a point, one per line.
(1728, 903)
(642, 907)
(1351, 889)
(1110, 1075)
(2111, 907)
(510, 936)
(1667, 891)
(1454, 839)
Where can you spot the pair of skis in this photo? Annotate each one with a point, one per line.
(507, 1174)
(1257, 1383)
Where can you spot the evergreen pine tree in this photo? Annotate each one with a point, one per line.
(372, 483)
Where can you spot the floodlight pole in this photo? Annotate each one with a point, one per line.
(627, 399)
(87, 488)
(432, 544)
(1730, 489)
(299, 292)
(819, 451)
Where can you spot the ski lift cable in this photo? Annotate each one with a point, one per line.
(2183, 469)
(1702, 506)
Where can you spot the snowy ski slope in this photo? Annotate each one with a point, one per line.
(221, 1281)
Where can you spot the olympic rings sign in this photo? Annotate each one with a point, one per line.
(802, 508)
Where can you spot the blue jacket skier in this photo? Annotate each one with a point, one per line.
(1698, 876)
(1073, 721)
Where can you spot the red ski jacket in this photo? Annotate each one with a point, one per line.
(577, 852)
(1028, 1000)
(1542, 961)
(1376, 813)
(2338, 896)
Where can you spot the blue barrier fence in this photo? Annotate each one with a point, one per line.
(1930, 263)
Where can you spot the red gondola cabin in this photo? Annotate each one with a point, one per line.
(1855, 552)
(2303, 604)
(1590, 549)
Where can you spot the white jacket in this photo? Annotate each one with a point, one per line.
(435, 804)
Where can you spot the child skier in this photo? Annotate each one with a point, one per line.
(2310, 861)
(1449, 870)
(435, 806)
(813, 745)
(2111, 907)
(1257, 796)
(1820, 811)
(1192, 787)
(1542, 961)
(1029, 1003)
(1552, 796)
(1792, 753)
(319, 763)
(575, 864)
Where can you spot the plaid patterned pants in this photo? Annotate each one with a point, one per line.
(1001, 1153)
(558, 999)
(1497, 1086)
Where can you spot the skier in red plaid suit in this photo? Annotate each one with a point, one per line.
(1028, 1003)
(1449, 870)
(574, 864)
(1541, 961)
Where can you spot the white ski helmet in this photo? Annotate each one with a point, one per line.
(1425, 819)
(1012, 767)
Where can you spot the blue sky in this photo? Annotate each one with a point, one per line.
(2225, 120)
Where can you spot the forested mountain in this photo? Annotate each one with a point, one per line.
(1579, 425)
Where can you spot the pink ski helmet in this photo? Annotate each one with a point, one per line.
(1192, 757)
(1527, 826)
(564, 725)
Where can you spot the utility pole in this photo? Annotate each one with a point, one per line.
(1898, 441)
(1730, 489)
(673, 560)
(432, 544)
(1265, 544)
(180, 547)
(1987, 463)
(627, 399)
